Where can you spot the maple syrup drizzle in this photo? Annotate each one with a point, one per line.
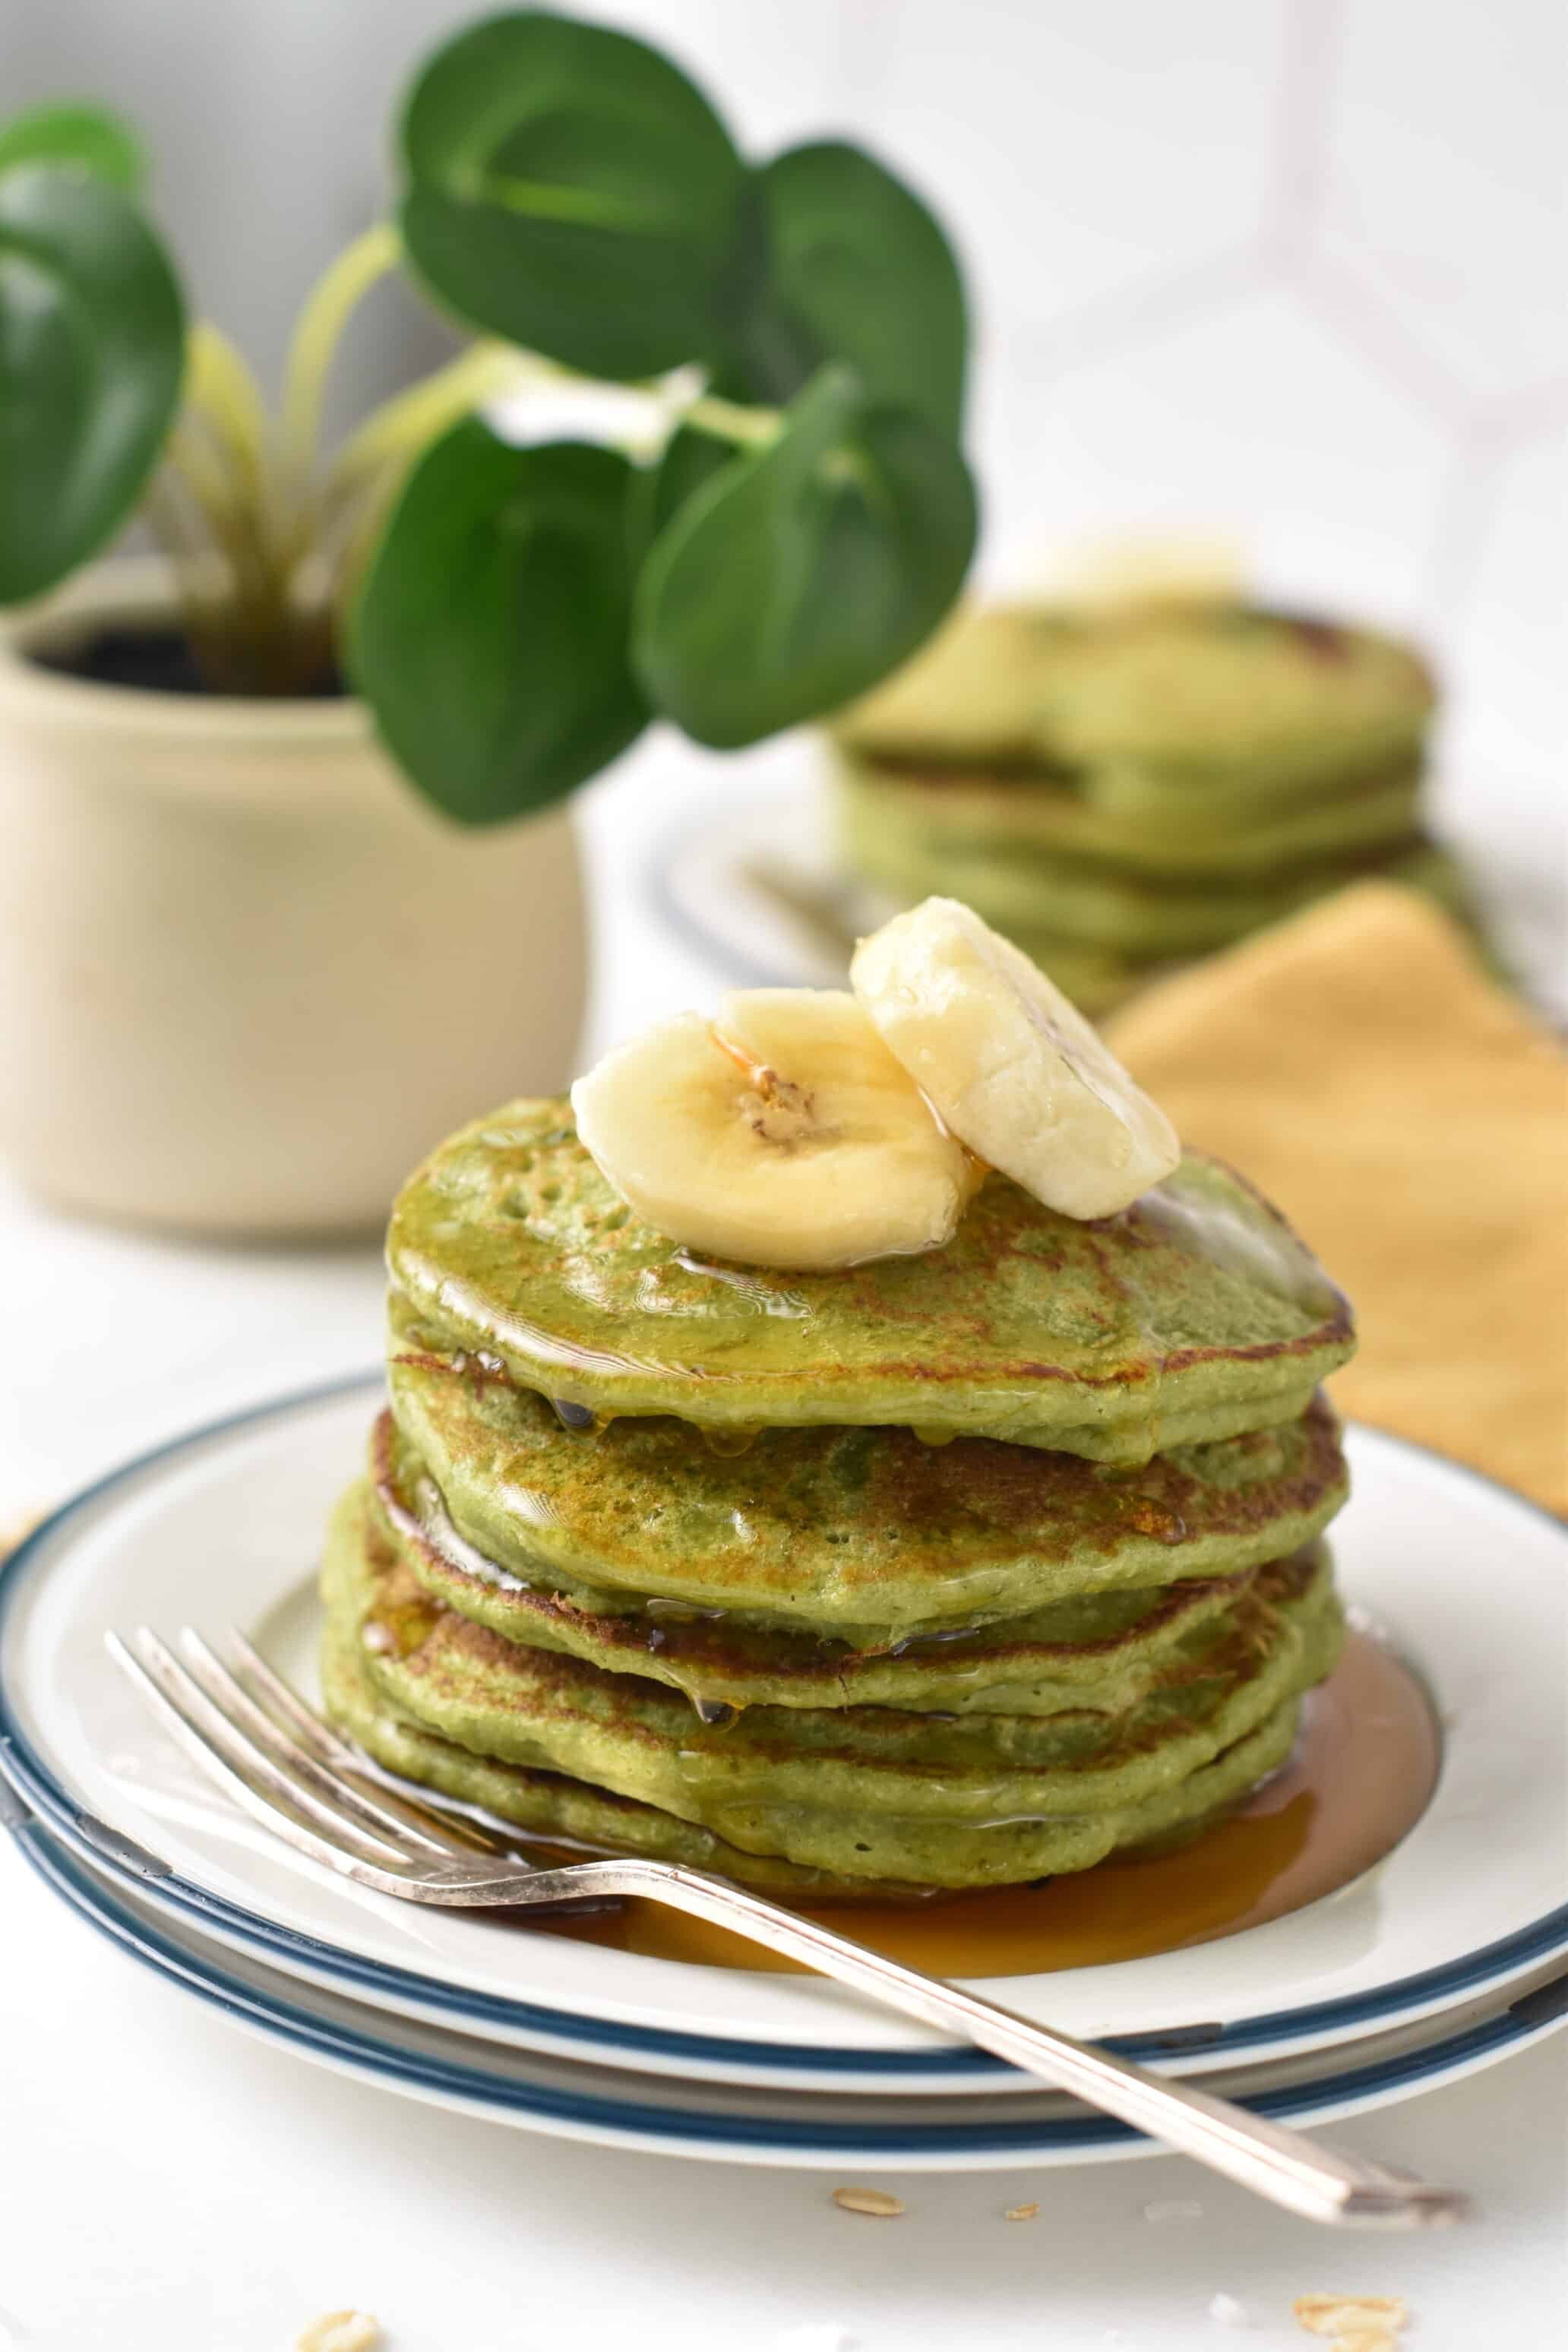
(1360, 1776)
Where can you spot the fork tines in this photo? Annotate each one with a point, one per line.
(247, 1730)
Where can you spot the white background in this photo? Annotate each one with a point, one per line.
(1287, 270)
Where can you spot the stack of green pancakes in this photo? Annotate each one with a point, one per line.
(936, 1572)
(1122, 792)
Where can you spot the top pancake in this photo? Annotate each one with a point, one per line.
(1193, 693)
(1195, 1315)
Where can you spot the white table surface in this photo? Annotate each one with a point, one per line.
(167, 2185)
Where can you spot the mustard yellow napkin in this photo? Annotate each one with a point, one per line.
(1411, 1119)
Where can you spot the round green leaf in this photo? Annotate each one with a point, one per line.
(859, 271)
(94, 142)
(91, 355)
(687, 464)
(800, 577)
(570, 189)
(489, 635)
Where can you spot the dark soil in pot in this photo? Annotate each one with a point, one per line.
(158, 661)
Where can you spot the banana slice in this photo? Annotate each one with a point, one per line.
(1013, 1068)
(783, 1133)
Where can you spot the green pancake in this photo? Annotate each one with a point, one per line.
(1096, 979)
(547, 1804)
(1260, 704)
(1131, 915)
(551, 1807)
(853, 1791)
(897, 821)
(969, 694)
(1195, 1315)
(866, 1534)
(1195, 700)
(1102, 1648)
(1106, 1652)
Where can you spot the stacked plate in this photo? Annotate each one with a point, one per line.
(1451, 1953)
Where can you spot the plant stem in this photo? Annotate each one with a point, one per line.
(221, 506)
(401, 425)
(249, 628)
(326, 312)
(224, 435)
(264, 628)
(354, 553)
(166, 521)
(727, 420)
(221, 388)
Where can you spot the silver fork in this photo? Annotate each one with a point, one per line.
(252, 1735)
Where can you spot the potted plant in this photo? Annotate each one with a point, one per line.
(248, 970)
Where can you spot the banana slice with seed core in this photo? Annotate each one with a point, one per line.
(1013, 1068)
(783, 1133)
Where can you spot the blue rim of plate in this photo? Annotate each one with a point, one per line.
(1531, 2019)
(122, 1860)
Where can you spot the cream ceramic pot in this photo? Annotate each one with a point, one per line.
(247, 977)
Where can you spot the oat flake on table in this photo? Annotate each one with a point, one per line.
(1355, 2322)
(341, 2331)
(875, 2202)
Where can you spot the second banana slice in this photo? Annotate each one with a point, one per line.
(1013, 1068)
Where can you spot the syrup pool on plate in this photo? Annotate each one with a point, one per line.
(1359, 1780)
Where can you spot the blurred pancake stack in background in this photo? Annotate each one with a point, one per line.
(1126, 781)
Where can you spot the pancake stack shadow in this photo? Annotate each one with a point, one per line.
(934, 1573)
(1126, 791)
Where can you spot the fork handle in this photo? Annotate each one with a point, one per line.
(1321, 2184)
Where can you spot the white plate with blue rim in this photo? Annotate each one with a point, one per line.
(224, 1525)
(753, 2122)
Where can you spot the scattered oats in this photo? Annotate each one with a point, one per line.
(1173, 2209)
(1365, 2339)
(1375, 2319)
(1022, 2213)
(341, 2331)
(869, 2201)
(1229, 2312)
